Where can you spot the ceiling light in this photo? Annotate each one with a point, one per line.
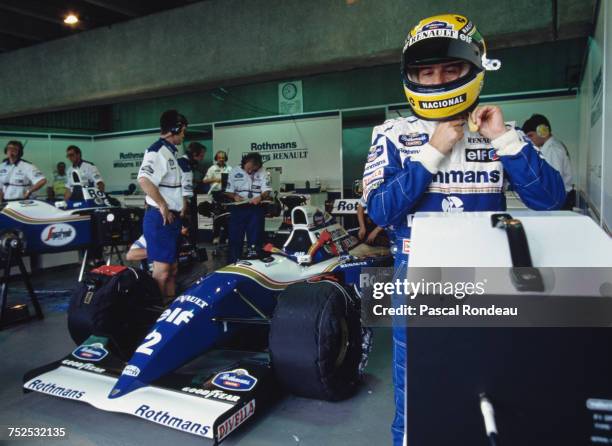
(71, 19)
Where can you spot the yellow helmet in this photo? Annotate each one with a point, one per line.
(440, 39)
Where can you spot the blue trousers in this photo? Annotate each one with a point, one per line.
(249, 220)
(399, 357)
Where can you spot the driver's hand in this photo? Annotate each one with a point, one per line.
(237, 198)
(490, 121)
(446, 134)
(256, 200)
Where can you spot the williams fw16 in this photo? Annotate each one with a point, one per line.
(222, 351)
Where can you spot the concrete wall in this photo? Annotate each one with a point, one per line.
(230, 42)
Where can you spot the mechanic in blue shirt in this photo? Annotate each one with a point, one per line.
(160, 178)
(438, 161)
(247, 184)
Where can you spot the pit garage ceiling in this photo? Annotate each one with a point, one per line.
(125, 50)
(30, 22)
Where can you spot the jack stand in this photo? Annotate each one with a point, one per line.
(16, 313)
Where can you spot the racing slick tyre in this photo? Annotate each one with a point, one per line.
(315, 340)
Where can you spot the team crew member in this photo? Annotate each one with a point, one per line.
(19, 179)
(189, 162)
(59, 181)
(539, 131)
(138, 250)
(193, 155)
(368, 231)
(433, 162)
(215, 172)
(80, 174)
(160, 178)
(248, 184)
(214, 177)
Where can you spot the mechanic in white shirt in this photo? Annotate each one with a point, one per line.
(138, 250)
(160, 178)
(538, 129)
(214, 172)
(80, 174)
(19, 179)
(247, 184)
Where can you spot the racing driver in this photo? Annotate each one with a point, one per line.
(437, 161)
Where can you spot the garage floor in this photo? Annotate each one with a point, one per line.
(361, 420)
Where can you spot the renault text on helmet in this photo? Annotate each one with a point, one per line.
(443, 39)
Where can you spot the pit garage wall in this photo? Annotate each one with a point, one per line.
(339, 154)
(302, 149)
(595, 104)
(117, 157)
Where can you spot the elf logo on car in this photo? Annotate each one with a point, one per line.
(176, 316)
(93, 352)
(229, 425)
(237, 379)
(59, 234)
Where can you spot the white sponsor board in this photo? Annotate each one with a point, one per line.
(345, 206)
(302, 149)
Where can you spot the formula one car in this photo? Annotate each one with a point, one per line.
(306, 298)
(95, 220)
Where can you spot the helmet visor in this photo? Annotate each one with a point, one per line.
(439, 50)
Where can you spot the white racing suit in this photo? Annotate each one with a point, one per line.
(405, 174)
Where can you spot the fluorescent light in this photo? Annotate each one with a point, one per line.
(71, 19)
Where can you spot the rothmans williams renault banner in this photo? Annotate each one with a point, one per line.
(487, 297)
(303, 149)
